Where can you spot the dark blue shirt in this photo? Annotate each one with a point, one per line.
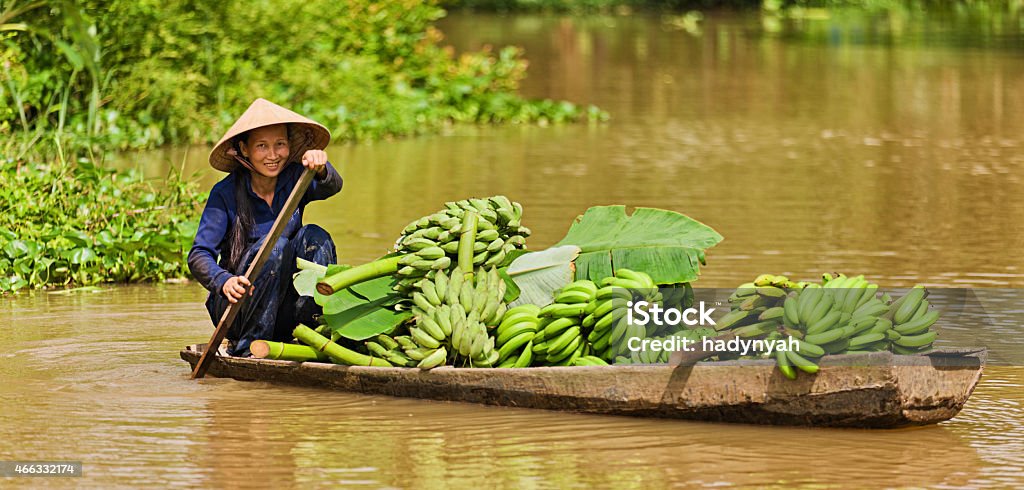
(222, 209)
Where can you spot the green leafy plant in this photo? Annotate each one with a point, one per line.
(77, 223)
(130, 74)
(666, 245)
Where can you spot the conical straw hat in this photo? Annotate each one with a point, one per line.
(303, 133)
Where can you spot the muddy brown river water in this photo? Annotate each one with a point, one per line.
(889, 147)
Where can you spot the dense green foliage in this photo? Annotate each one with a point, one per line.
(594, 5)
(138, 73)
(80, 78)
(768, 5)
(77, 223)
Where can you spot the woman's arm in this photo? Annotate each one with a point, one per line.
(327, 181)
(202, 258)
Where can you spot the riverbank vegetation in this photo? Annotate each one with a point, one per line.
(797, 6)
(77, 223)
(131, 74)
(80, 79)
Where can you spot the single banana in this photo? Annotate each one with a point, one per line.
(455, 283)
(919, 340)
(466, 297)
(782, 360)
(801, 362)
(872, 307)
(770, 291)
(419, 353)
(487, 236)
(558, 326)
(514, 344)
(583, 285)
(610, 318)
(443, 317)
(441, 264)
(451, 247)
(558, 310)
(526, 356)
(511, 321)
(810, 350)
(516, 330)
(806, 302)
(821, 309)
(837, 346)
(566, 351)
(909, 306)
(399, 359)
(867, 295)
(601, 340)
(388, 342)
(824, 337)
(920, 311)
(406, 342)
(621, 283)
(573, 296)
(609, 292)
(859, 342)
(773, 313)
(433, 360)
(431, 327)
(731, 319)
(430, 292)
(376, 349)
(637, 276)
(919, 325)
(825, 323)
(423, 339)
(430, 253)
(422, 302)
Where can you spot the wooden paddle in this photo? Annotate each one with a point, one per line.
(254, 269)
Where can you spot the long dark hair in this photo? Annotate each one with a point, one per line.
(238, 239)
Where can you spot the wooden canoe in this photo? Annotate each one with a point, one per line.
(876, 390)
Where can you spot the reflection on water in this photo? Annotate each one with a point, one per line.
(109, 390)
(902, 163)
(809, 152)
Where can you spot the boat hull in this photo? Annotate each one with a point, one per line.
(877, 390)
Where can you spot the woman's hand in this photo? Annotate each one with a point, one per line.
(235, 288)
(315, 160)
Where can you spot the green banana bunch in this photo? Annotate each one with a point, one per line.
(842, 315)
(452, 313)
(514, 336)
(778, 281)
(589, 361)
(756, 307)
(431, 243)
(912, 319)
(609, 318)
(482, 292)
(560, 338)
(386, 347)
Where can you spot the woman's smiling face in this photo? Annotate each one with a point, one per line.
(267, 149)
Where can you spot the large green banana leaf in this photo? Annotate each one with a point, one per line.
(538, 275)
(667, 245)
(359, 312)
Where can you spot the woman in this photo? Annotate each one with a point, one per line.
(264, 152)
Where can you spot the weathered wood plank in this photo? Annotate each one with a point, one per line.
(866, 390)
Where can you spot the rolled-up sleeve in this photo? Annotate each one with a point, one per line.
(202, 258)
(322, 188)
